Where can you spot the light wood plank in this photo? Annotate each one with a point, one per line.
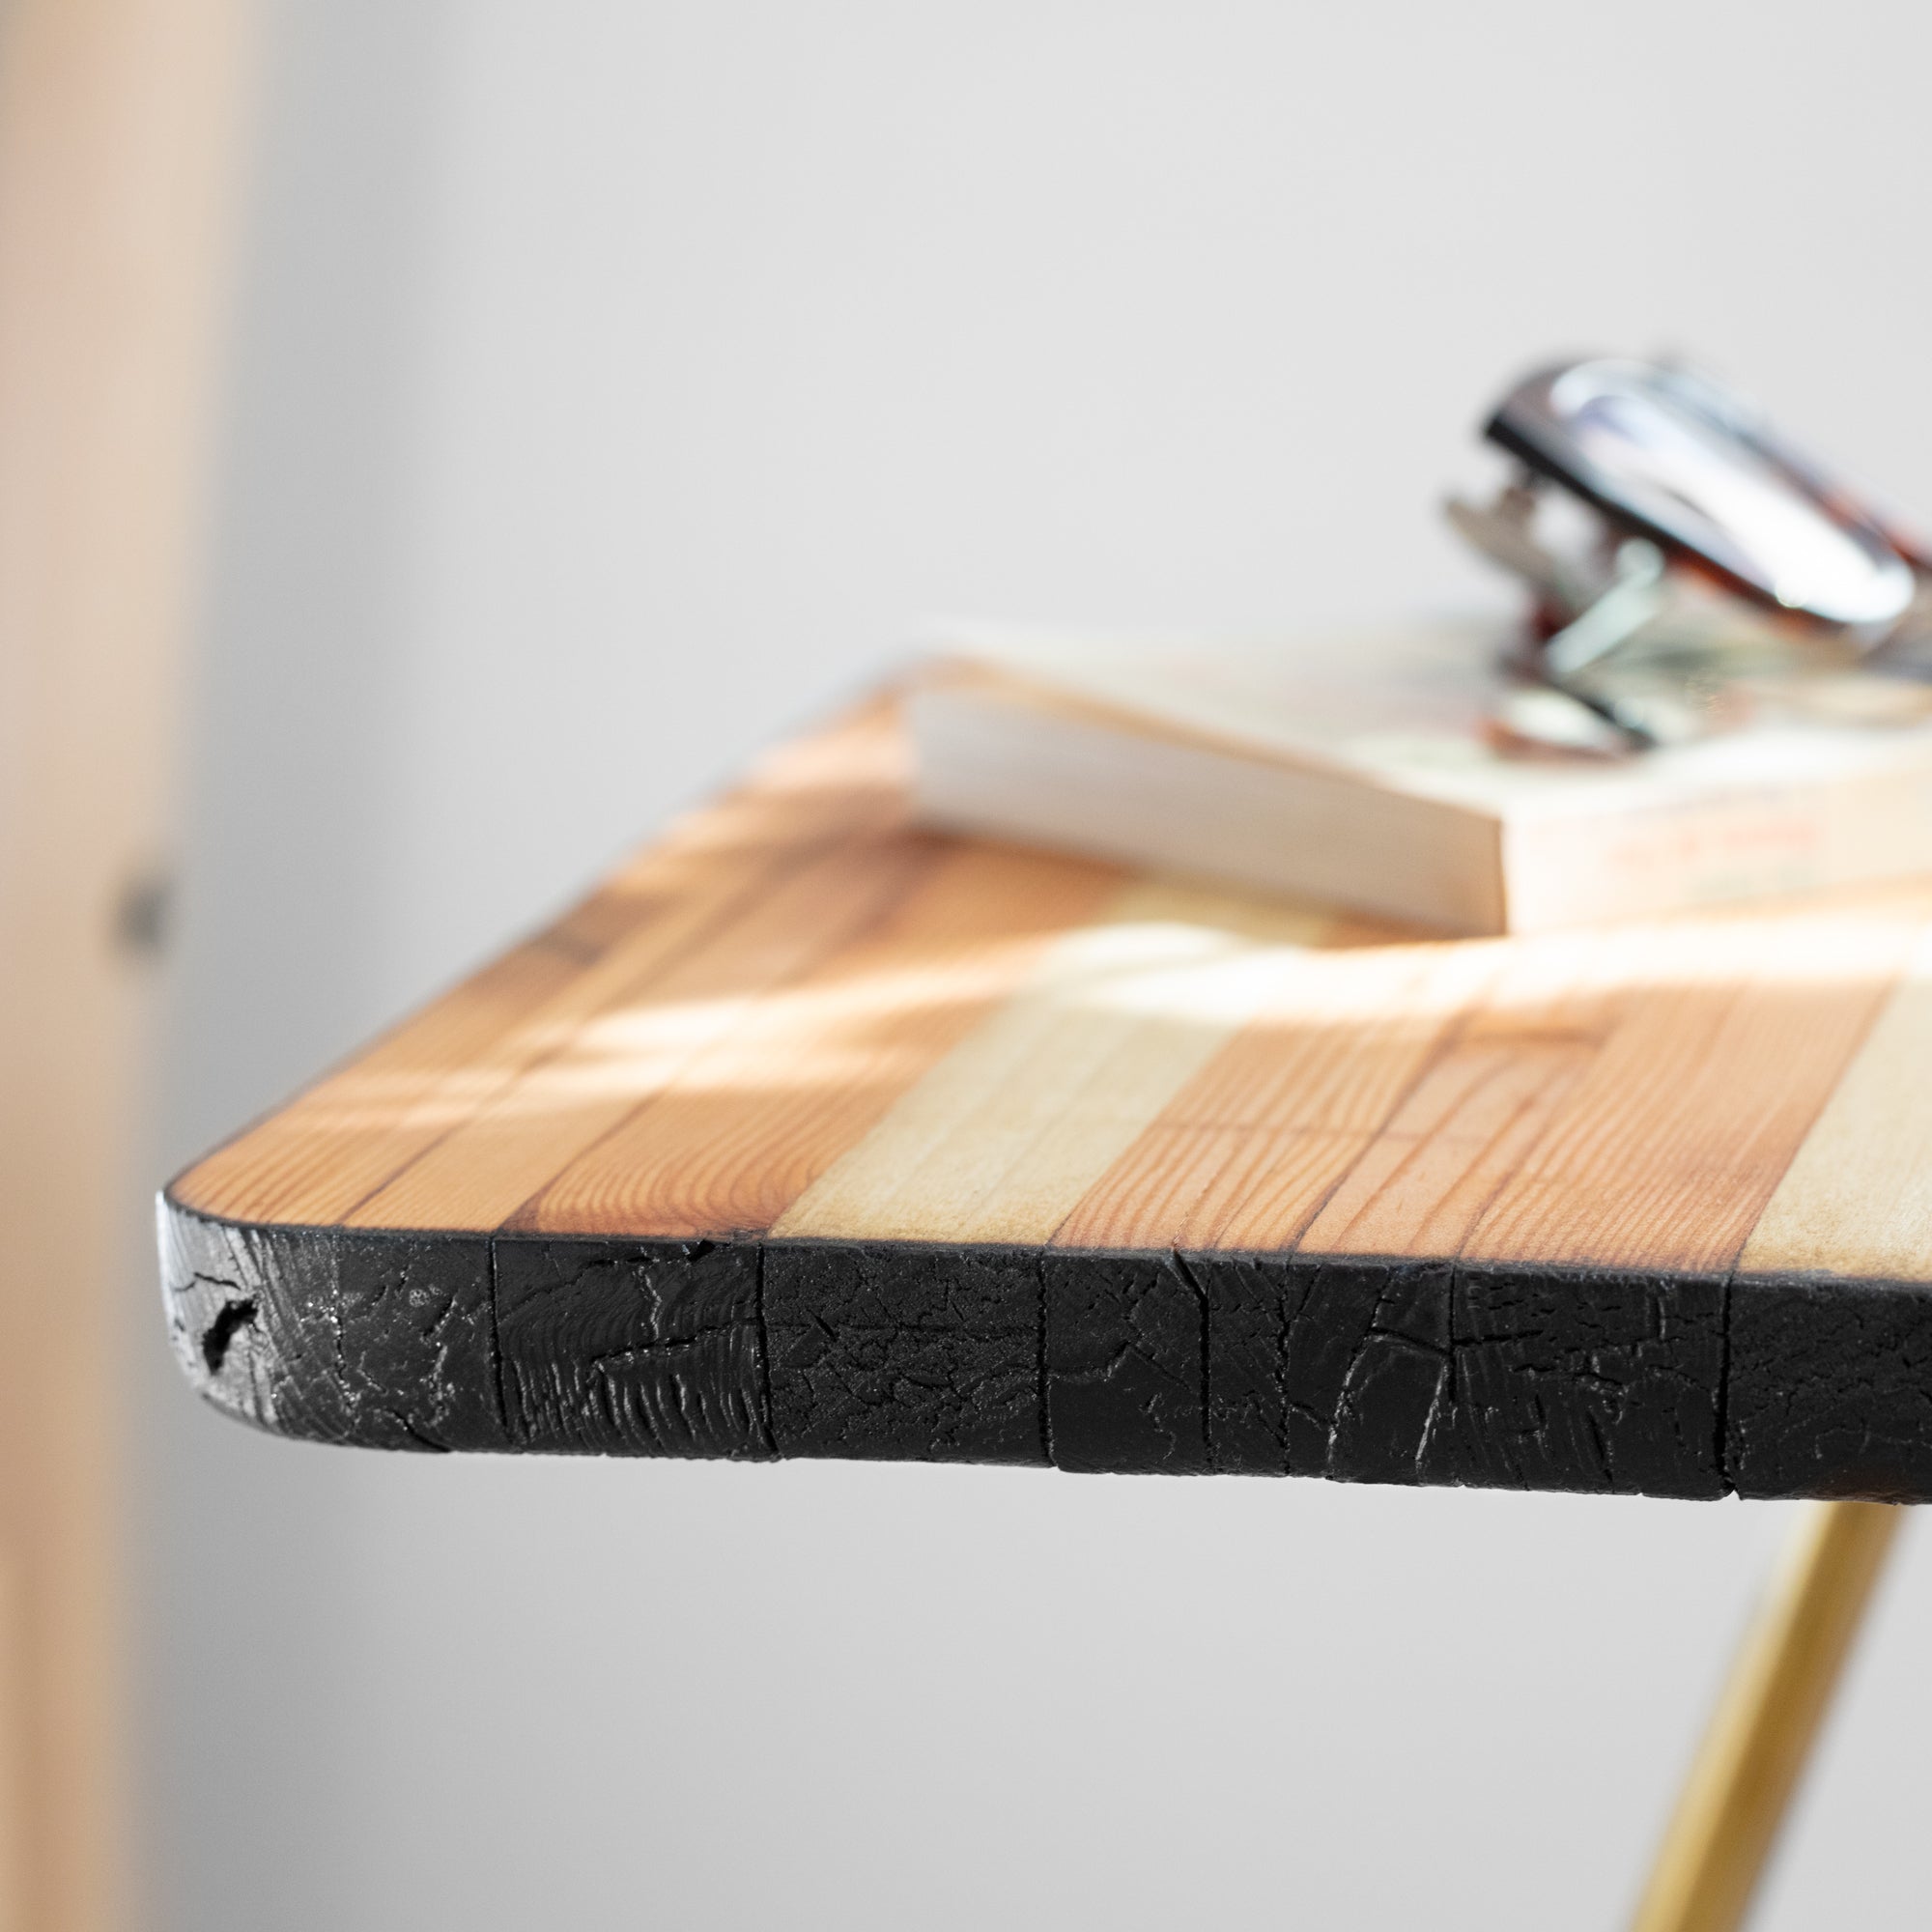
(738, 1137)
(1857, 1198)
(1003, 1138)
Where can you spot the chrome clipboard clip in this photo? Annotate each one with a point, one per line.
(1690, 568)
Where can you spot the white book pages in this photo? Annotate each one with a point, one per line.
(1406, 706)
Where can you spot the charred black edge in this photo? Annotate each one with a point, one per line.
(1363, 1369)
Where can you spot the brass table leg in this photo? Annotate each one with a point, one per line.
(1754, 1752)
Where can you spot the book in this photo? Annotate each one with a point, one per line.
(1369, 771)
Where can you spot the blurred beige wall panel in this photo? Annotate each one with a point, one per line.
(118, 123)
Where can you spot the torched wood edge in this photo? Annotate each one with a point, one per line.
(1358, 1369)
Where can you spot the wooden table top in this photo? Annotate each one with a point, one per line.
(813, 1134)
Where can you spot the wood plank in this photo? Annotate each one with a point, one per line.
(1421, 1184)
(589, 1072)
(318, 1158)
(1856, 1199)
(1830, 1375)
(1565, 1084)
(1003, 1138)
(1426, 1179)
(734, 1140)
(1727, 1038)
(315, 1157)
(1245, 1154)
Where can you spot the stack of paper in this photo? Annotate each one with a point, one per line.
(1367, 770)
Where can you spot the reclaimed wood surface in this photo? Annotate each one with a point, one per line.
(811, 1133)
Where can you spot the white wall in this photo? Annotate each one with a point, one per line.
(614, 381)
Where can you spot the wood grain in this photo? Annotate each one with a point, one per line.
(1858, 1197)
(587, 1068)
(1722, 1043)
(848, 1139)
(746, 1128)
(1000, 1141)
(1247, 1152)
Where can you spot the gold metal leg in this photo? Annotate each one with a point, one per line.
(1754, 1753)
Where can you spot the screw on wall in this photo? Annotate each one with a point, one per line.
(142, 912)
